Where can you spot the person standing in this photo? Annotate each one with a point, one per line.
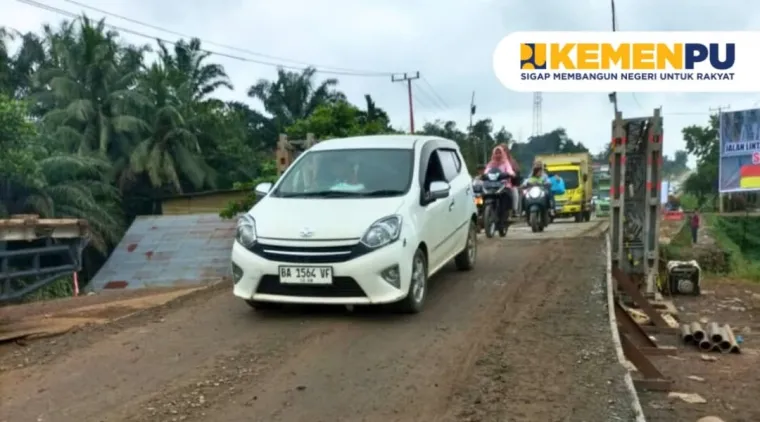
(694, 227)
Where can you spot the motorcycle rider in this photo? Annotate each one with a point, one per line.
(557, 188)
(500, 161)
(516, 168)
(539, 177)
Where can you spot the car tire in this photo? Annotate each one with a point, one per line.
(465, 261)
(415, 297)
(263, 306)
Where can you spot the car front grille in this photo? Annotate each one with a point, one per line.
(309, 254)
(341, 287)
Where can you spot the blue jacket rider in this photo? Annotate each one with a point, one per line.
(558, 185)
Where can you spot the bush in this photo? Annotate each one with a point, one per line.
(234, 208)
(740, 238)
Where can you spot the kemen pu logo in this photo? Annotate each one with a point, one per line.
(532, 56)
(629, 56)
(629, 61)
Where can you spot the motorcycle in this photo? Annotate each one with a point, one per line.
(493, 188)
(536, 200)
(477, 191)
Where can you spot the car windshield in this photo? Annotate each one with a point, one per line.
(346, 173)
(569, 176)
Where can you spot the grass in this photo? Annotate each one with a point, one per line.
(736, 252)
(740, 237)
(63, 287)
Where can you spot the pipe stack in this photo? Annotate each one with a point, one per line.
(715, 338)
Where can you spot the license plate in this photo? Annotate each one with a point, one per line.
(306, 275)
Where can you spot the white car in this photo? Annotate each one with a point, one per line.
(358, 221)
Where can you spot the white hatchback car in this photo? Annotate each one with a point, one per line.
(358, 221)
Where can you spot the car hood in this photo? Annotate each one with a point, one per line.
(286, 218)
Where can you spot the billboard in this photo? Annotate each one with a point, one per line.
(739, 151)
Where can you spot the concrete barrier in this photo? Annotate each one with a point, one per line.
(634, 396)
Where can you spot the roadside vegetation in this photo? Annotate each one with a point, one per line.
(90, 128)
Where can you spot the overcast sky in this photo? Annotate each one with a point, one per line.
(450, 42)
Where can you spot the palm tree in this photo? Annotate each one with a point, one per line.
(89, 90)
(36, 179)
(73, 186)
(170, 152)
(192, 78)
(294, 96)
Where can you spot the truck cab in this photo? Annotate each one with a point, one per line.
(575, 170)
(602, 182)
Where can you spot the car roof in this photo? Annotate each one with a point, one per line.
(377, 141)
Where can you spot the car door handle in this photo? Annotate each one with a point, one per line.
(451, 206)
(467, 190)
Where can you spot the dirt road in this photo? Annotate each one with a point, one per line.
(523, 337)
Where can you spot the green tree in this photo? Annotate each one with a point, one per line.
(294, 96)
(703, 143)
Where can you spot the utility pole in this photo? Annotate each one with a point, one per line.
(613, 95)
(408, 79)
(719, 110)
(474, 108)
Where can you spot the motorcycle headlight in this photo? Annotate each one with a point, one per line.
(382, 232)
(245, 233)
(535, 192)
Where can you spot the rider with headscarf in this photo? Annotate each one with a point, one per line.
(499, 160)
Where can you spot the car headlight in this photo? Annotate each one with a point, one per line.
(535, 192)
(245, 233)
(382, 232)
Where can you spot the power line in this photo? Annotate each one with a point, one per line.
(435, 94)
(429, 98)
(212, 52)
(220, 45)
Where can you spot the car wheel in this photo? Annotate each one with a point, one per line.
(415, 298)
(263, 306)
(465, 261)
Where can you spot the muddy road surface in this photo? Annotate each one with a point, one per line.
(523, 337)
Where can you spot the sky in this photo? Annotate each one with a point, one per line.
(450, 42)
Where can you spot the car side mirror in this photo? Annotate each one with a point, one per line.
(585, 177)
(262, 189)
(438, 190)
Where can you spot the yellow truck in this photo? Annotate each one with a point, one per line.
(577, 172)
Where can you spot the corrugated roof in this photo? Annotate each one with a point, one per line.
(169, 251)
